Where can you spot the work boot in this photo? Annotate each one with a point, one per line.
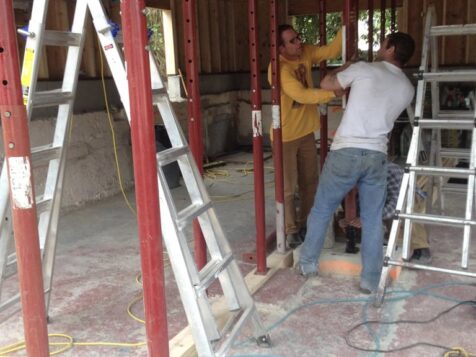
(293, 240)
(421, 256)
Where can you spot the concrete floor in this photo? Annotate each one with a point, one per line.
(98, 261)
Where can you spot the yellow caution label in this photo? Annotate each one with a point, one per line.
(26, 73)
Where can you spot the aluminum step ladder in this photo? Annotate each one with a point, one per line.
(211, 337)
(438, 120)
(52, 155)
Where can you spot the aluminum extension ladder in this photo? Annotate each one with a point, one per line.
(440, 119)
(212, 338)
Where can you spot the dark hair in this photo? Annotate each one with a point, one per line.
(281, 29)
(404, 46)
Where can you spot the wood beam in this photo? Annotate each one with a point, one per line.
(311, 7)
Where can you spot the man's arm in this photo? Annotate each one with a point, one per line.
(330, 51)
(330, 81)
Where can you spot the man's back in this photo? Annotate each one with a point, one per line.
(380, 92)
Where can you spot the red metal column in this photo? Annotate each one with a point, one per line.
(277, 135)
(258, 163)
(370, 54)
(393, 15)
(194, 112)
(18, 157)
(322, 74)
(382, 20)
(145, 173)
(351, 8)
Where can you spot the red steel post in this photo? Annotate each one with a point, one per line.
(194, 112)
(258, 162)
(393, 15)
(322, 74)
(351, 8)
(277, 134)
(18, 157)
(145, 173)
(370, 54)
(383, 4)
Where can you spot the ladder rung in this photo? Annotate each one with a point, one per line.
(442, 171)
(158, 94)
(455, 187)
(42, 205)
(61, 38)
(438, 220)
(449, 30)
(168, 156)
(51, 98)
(467, 124)
(191, 212)
(455, 153)
(430, 268)
(458, 114)
(41, 155)
(450, 76)
(210, 273)
(247, 313)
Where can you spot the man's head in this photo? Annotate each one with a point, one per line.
(289, 42)
(397, 48)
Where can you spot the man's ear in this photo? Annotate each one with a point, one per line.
(280, 49)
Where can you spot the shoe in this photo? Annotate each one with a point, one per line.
(302, 233)
(293, 240)
(421, 256)
(365, 291)
(305, 274)
(364, 288)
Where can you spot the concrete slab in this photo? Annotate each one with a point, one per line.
(98, 260)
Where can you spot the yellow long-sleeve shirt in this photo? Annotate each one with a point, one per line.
(299, 114)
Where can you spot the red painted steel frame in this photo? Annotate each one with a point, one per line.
(351, 7)
(145, 173)
(370, 55)
(393, 15)
(194, 112)
(322, 74)
(382, 20)
(258, 162)
(17, 147)
(277, 133)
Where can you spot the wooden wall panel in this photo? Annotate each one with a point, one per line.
(57, 19)
(204, 36)
(454, 48)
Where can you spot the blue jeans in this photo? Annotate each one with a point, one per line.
(344, 169)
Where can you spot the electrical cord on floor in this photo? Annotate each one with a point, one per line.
(397, 322)
(113, 134)
(392, 296)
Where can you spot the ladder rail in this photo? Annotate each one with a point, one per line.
(444, 119)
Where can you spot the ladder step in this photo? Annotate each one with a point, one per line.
(467, 124)
(51, 98)
(442, 171)
(437, 220)
(191, 212)
(61, 38)
(449, 30)
(41, 155)
(457, 114)
(168, 156)
(42, 205)
(455, 188)
(158, 94)
(450, 76)
(210, 273)
(455, 153)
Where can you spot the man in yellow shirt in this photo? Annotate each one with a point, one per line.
(299, 121)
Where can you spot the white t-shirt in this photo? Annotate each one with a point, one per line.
(380, 92)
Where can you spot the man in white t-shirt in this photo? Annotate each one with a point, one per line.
(380, 91)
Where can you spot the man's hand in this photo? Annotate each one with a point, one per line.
(339, 92)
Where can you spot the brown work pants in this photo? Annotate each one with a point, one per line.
(300, 170)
